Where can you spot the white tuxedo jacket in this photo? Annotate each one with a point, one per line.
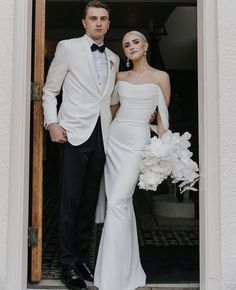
(74, 70)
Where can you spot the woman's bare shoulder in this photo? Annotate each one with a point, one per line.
(122, 75)
(160, 76)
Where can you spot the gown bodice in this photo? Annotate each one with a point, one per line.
(138, 102)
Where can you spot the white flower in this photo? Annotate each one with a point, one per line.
(168, 156)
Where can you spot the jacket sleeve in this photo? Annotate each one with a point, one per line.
(56, 75)
(115, 98)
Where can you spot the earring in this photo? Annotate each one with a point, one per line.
(145, 54)
(127, 63)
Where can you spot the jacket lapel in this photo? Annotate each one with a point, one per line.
(91, 64)
(111, 63)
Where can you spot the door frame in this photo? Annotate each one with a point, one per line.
(16, 277)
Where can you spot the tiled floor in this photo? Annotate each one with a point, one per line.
(151, 232)
(160, 235)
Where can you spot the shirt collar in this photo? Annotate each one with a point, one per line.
(90, 41)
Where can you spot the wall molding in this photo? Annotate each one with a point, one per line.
(17, 244)
(208, 97)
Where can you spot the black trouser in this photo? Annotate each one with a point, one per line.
(81, 171)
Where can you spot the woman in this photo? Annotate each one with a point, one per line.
(136, 95)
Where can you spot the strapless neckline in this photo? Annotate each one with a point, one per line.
(147, 84)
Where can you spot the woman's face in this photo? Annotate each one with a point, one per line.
(134, 46)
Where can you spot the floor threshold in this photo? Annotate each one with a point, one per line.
(58, 285)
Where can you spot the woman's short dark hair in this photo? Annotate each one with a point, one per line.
(96, 4)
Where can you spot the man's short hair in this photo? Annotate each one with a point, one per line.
(96, 4)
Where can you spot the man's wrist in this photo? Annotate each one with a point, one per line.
(51, 124)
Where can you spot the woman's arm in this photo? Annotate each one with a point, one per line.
(160, 128)
(164, 82)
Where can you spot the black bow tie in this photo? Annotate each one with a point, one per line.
(96, 47)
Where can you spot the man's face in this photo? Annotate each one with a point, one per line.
(96, 23)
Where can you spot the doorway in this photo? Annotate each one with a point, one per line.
(177, 233)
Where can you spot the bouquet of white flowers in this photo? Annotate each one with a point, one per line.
(168, 156)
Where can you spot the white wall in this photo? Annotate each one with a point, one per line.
(227, 132)
(179, 46)
(227, 119)
(6, 61)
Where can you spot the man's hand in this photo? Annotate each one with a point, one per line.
(57, 133)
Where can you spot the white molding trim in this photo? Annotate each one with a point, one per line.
(208, 145)
(19, 151)
(208, 96)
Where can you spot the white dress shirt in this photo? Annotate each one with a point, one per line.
(101, 64)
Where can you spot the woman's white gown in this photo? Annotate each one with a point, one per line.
(118, 263)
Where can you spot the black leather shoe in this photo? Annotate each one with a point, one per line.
(72, 279)
(86, 271)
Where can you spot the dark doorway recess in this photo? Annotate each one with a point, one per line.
(169, 246)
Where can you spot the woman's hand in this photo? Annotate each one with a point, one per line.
(153, 117)
(114, 109)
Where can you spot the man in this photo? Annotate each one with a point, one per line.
(86, 71)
